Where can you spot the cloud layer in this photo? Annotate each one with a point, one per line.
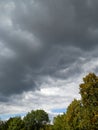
(46, 47)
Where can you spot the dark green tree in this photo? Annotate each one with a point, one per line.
(3, 125)
(15, 123)
(35, 120)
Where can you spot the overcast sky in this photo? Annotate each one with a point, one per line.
(46, 47)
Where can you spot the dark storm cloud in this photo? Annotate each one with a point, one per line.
(65, 22)
(42, 37)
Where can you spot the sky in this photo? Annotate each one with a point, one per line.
(46, 48)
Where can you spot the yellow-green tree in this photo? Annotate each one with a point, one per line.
(82, 114)
(60, 122)
(74, 115)
(89, 98)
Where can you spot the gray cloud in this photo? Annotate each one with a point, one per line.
(44, 37)
(63, 22)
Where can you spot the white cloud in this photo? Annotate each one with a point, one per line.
(52, 95)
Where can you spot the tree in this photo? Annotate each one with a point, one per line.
(15, 123)
(47, 127)
(74, 115)
(89, 98)
(71, 119)
(3, 125)
(82, 114)
(35, 119)
(60, 122)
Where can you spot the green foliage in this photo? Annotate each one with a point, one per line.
(71, 119)
(89, 90)
(73, 115)
(35, 119)
(15, 124)
(3, 125)
(82, 114)
(89, 94)
(59, 122)
(47, 127)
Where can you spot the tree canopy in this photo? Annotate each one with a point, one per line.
(36, 119)
(15, 123)
(83, 114)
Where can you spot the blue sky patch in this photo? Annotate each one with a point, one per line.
(7, 116)
(59, 110)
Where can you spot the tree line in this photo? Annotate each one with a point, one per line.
(34, 120)
(80, 115)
